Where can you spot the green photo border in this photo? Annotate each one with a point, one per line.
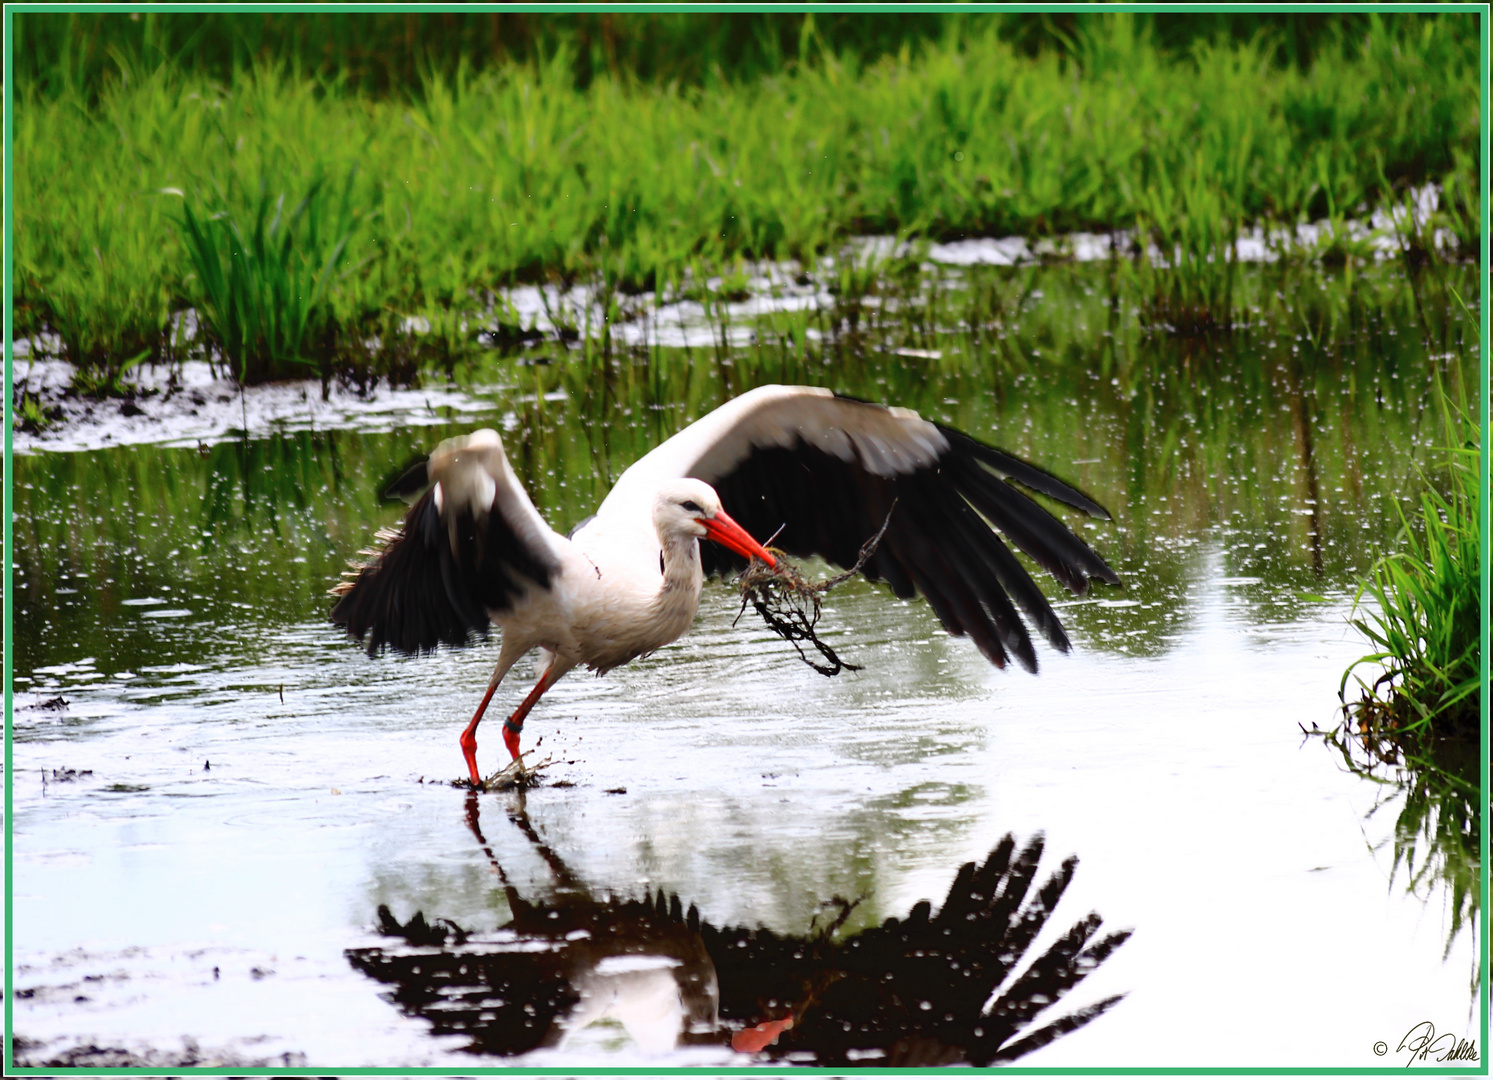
(775, 1070)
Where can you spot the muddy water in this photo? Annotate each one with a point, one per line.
(214, 793)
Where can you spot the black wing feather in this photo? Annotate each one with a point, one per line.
(1023, 472)
(420, 591)
(939, 542)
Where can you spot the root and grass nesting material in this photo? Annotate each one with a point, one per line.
(790, 604)
(515, 775)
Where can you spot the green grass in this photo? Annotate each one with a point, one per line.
(1422, 614)
(260, 282)
(471, 180)
(1458, 209)
(1190, 289)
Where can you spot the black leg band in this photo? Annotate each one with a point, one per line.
(509, 725)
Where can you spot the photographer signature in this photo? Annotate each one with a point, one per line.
(1424, 1044)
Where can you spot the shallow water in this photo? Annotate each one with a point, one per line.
(231, 790)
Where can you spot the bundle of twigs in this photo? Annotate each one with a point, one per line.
(516, 774)
(789, 603)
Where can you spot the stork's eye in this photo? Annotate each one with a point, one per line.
(689, 504)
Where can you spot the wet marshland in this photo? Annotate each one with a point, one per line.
(227, 816)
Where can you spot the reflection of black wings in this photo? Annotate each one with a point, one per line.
(462, 552)
(939, 540)
(909, 993)
(916, 988)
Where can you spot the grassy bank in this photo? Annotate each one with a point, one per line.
(307, 220)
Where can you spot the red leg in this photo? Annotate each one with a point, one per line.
(469, 736)
(515, 723)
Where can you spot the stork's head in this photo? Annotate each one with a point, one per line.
(692, 508)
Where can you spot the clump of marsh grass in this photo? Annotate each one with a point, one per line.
(1422, 612)
(99, 286)
(1419, 716)
(260, 280)
(30, 414)
(1340, 239)
(1189, 287)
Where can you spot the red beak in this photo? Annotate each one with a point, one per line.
(724, 531)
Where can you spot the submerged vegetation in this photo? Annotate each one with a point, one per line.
(1320, 404)
(319, 221)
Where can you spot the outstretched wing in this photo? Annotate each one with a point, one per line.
(828, 470)
(472, 545)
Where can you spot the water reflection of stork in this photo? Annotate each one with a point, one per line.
(928, 989)
(820, 473)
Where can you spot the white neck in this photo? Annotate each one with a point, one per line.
(678, 595)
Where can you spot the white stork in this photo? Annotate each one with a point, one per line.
(820, 471)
